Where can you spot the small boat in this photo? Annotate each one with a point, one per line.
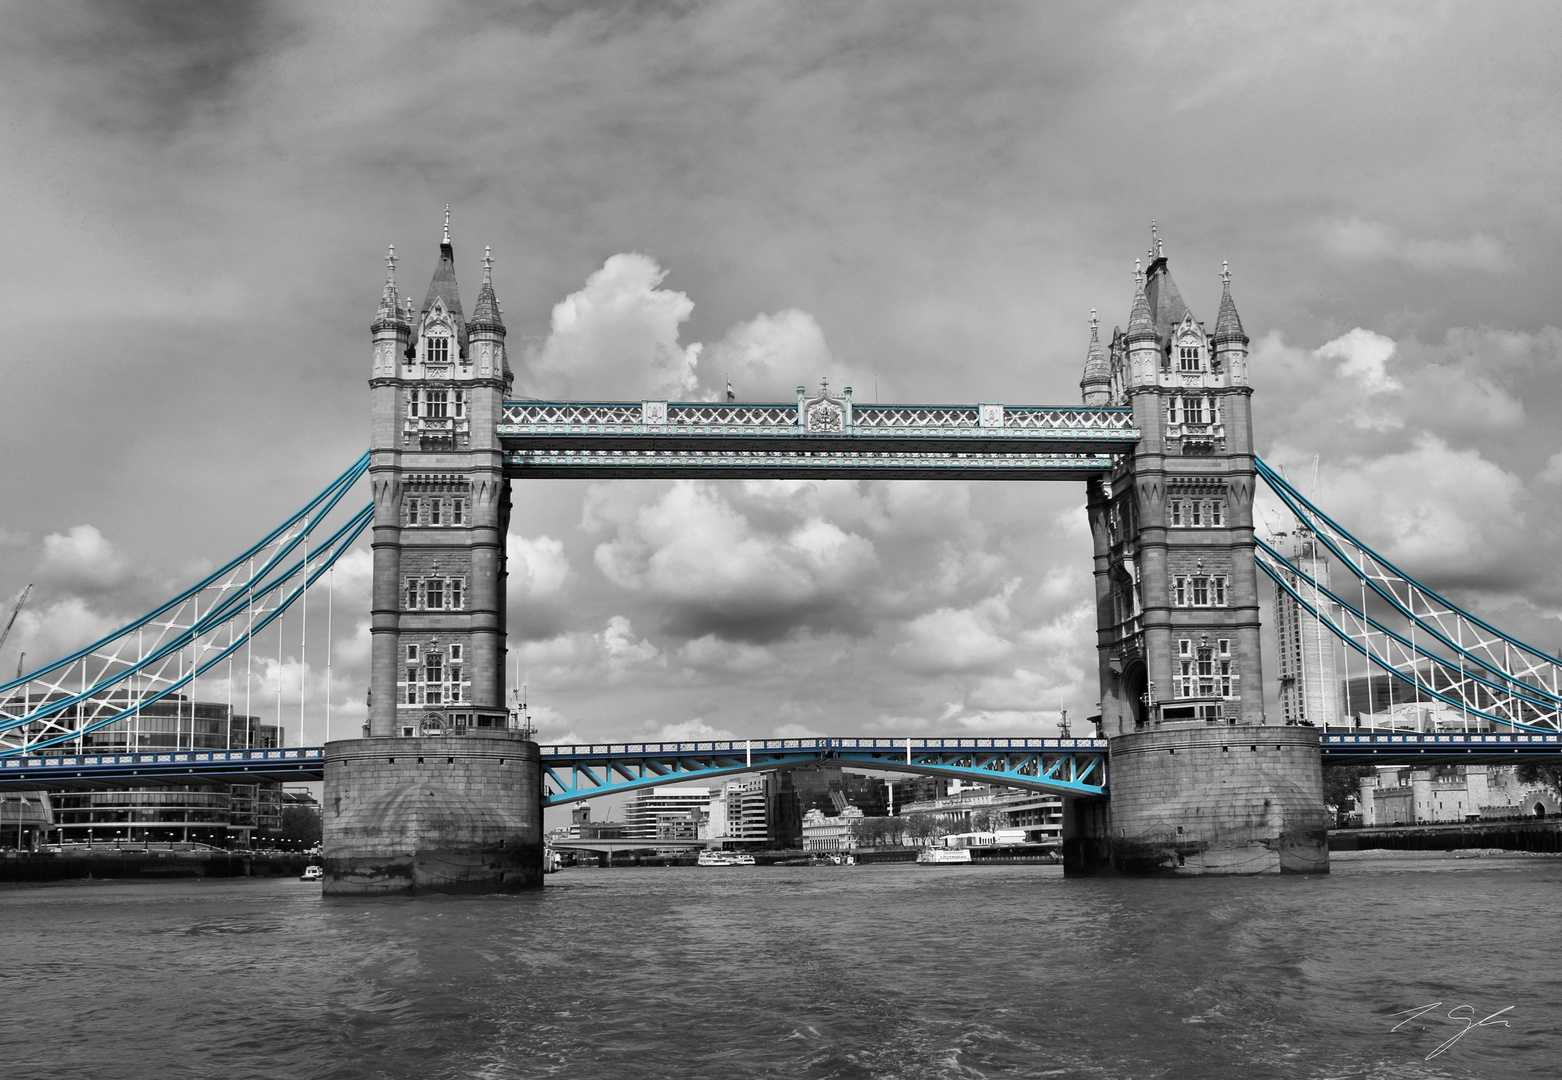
(743, 860)
(943, 856)
(312, 873)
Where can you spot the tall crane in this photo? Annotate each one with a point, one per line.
(15, 611)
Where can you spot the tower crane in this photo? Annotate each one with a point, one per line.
(15, 611)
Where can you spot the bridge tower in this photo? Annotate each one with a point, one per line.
(1201, 782)
(439, 794)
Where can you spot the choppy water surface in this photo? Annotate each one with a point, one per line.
(887, 971)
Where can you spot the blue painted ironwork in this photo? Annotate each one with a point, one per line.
(1070, 767)
(1443, 654)
(1366, 747)
(290, 764)
(1066, 767)
(145, 660)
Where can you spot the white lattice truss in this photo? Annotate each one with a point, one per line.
(733, 418)
(167, 649)
(1431, 647)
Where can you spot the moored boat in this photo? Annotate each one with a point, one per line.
(943, 856)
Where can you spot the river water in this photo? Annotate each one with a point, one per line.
(871, 971)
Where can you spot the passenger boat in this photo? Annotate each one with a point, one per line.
(943, 856)
(724, 858)
(312, 873)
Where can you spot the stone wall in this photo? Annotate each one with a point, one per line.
(434, 814)
(1212, 799)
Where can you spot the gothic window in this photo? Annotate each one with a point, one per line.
(1198, 591)
(458, 512)
(1176, 512)
(412, 404)
(455, 593)
(1215, 513)
(412, 594)
(412, 511)
(459, 404)
(434, 507)
(412, 654)
(438, 350)
(1188, 358)
(1197, 509)
(438, 404)
(1206, 673)
(455, 654)
(412, 686)
(434, 679)
(1193, 410)
(434, 594)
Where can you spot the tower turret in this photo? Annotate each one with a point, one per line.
(486, 330)
(390, 328)
(1096, 385)
(1142, 341)
(1229, 340)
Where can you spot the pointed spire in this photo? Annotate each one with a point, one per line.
(486, 314)
(1228, 324)
(447, 224)
(1097, 370)
(390, 305)
(390, 302)
(1141, 325)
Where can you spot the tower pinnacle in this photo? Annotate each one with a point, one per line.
(447, 223)
(1228, 324)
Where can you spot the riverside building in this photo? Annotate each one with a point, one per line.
(222, 815)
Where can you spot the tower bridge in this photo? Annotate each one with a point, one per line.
(1189, 775)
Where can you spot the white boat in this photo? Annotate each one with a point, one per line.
(941, 856)
(724, 858)
(312, 873)
(743, 860)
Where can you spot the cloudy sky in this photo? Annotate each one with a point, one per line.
(924, 200)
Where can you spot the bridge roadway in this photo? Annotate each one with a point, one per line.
(1066, 767)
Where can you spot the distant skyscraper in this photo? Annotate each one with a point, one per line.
(1309, 689)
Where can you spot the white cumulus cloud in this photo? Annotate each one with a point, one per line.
(618, 337)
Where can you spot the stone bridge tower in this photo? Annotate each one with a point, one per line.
(441, 510)
(1200, 781)
(439, 794)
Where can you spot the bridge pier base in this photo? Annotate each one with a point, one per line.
(432, 814)
(1206, 799)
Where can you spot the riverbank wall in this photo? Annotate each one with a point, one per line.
(1519, 835)
(108, 862)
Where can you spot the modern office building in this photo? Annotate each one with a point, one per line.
(1309, 690)
(223, 815)
(674, 812)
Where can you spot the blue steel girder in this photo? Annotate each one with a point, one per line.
(1066, 767)
(1069, 767)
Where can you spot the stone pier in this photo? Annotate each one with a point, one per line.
(1211, 799)
(454, 813)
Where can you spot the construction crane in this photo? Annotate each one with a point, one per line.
(15, 611)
